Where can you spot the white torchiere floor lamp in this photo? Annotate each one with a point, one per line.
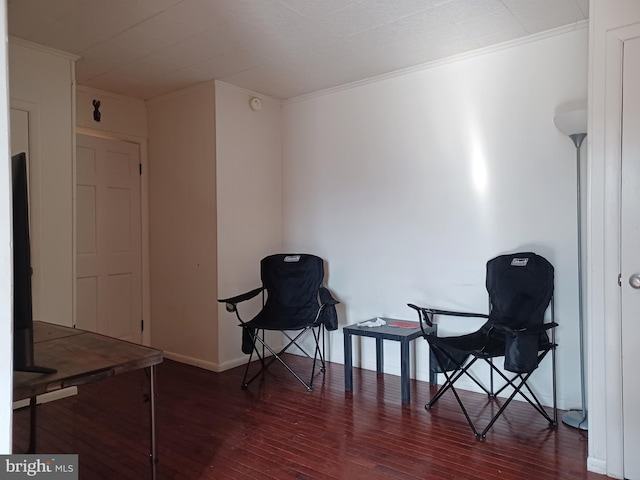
(574, 124)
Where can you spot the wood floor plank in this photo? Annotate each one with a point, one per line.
(209, 428)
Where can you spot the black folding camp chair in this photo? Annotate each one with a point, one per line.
(520, 288)
(296, 304)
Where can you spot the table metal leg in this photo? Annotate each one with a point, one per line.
(348, 363)
(33, 421)
(379, 355)
(152, 410)
(405, 382)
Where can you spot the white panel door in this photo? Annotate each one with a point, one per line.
(630, 258)
(108, 238)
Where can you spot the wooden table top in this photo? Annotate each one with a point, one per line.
(79, 357)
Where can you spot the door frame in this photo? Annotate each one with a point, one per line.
(144, 220)
(604, 313)
(629, 235)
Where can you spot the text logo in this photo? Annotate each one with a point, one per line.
(50, 467)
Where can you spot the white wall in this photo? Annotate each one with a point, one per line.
(249, 203)
(409, 184)
(41, 82)
(121, 116)
(6, 262)
(182, 206)
(609, 20)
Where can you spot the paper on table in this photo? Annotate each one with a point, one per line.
(378, 322)
(404, 324)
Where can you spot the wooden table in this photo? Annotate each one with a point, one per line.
(82, 357)
(403, 335)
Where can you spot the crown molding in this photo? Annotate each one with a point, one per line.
(43, 49)
(207, 84)
(105, 93)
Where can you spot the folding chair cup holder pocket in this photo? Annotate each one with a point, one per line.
(520, 288)
(295, 303)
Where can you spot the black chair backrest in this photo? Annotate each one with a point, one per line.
(292, 283)
(520, 287)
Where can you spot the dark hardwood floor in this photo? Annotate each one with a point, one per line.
(208, 428)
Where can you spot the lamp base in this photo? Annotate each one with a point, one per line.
(576, 419)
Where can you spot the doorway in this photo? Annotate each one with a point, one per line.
(108, 238)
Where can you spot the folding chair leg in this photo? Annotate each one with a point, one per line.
(446, 386)
(246, 372)
(245, 384)
(483, 435)
(462, 407)
(463, 369)
(555, 399)
(277, 357)
(491, 389)
(318, 351)
(517, 383)
(531, 398)
(323, 366)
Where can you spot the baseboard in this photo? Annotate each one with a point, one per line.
(212, 366)
(233, 363)
(196, 362)
(597, 465)
(47, 397)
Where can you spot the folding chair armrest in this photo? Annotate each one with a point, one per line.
(326, 298)
(547, 326)
(233, 301)
(327, 314)
(456, 314)
(425, 315)
(531, 330)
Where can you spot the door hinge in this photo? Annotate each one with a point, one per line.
(619, 279)
(140, 168)
(142, 325)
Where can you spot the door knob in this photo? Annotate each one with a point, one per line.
(634, 280)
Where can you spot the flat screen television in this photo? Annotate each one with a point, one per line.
(23, 357)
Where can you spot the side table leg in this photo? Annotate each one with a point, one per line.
(433, 375)
(379, 355)
(404, 371)
(433, 363)
(348, 363)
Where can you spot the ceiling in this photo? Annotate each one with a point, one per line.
(282, 48)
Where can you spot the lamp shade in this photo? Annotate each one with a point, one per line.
(571, 123)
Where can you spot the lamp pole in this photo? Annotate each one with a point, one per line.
(573, 123)
(578, 418)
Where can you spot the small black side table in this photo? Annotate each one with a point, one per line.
(403, 335)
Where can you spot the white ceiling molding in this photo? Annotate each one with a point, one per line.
(43, 49)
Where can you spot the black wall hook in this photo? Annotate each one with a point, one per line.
(96, 110)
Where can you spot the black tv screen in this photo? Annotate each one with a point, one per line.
(23, 358)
